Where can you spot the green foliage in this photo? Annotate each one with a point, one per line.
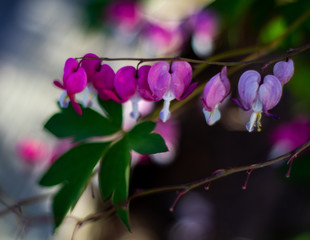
(141, 139)
(73, 170)
(114, 176)
(272, 30)
(68, 123)
(113, 110)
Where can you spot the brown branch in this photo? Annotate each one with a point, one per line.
(24, 202)
(185, 188)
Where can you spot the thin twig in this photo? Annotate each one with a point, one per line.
(185, 188)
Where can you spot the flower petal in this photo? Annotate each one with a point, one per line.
(216, 90)
(125, 82)
(248, 87)
(270, 92)
(71, 66)
(91, 66)
(181, 77)
(76, 82)
(284, 71)
(143, 85)
(159, 79)
(104, 79)
(189, 91)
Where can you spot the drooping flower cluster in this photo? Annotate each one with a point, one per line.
(126, 20)
(255, 94)
(152, 83)
(261, 96)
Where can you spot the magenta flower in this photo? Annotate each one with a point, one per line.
(103, 81)
(125, 20)
(284, 70)
(257, 96)
(128, 84)
(290, 135)
(170, 82)
(215, 91)
(92, 65)
(32, 151)
(74, 81)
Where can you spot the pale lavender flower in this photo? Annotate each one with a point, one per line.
(169, 82)
(215, 91)
(258, 96)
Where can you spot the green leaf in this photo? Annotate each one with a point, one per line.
(114, 176)
(113, 110)
(66, 198)
(73, 170)
(68, 123)
(141, 140)
(77, 162)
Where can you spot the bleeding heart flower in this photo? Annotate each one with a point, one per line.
(170, 82)
(215, 91)
(74, 81)
(128, 83)
(257, 96)
(284, 70)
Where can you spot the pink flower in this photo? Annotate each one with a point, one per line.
(32, 151)
(170, 82)
(215, 91)
(74, 81)
(160, 40)
(130, 84)
(125, 20)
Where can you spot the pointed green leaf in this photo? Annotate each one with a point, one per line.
(141, 140)
(65, 199)
(124, 216)
(114, 175)
(113, 110)
(77, 162)
(68, 123)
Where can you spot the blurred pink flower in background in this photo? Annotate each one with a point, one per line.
(32, 151)
(162, 39)
(288, 136)
(205, 25)
(125, 19)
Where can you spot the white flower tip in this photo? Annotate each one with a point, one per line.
(164, 115)
(212, 117)
(63, 100)
(135, 115)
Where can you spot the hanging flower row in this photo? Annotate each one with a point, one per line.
(169, 81)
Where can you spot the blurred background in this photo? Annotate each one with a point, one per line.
(37, 36)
